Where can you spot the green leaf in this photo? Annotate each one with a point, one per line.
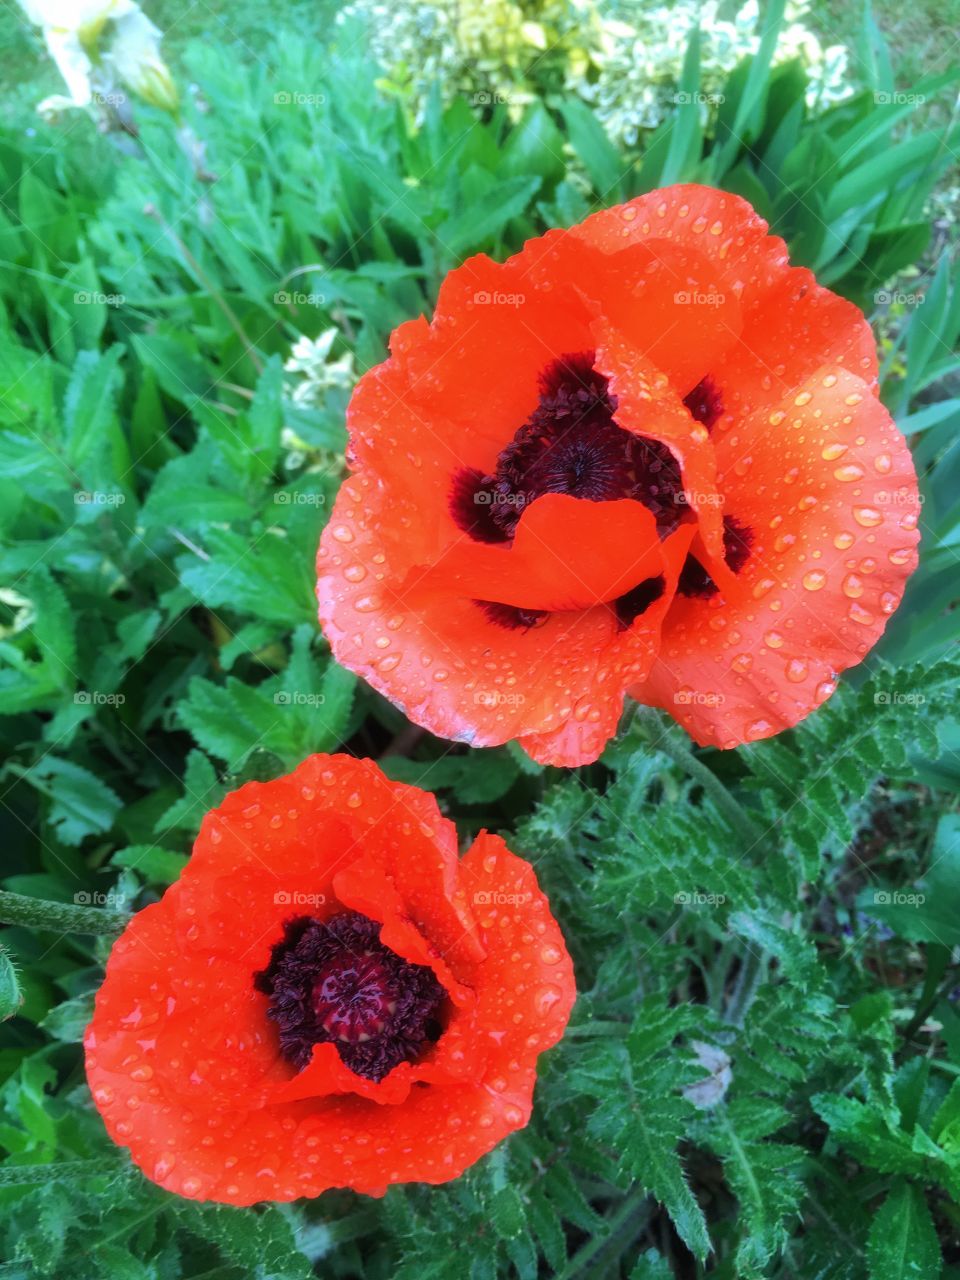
(80, 803)
(598, 155)
(88, 406)
(263, 1243)
(156, 866)
(202, 791)
(69, 1020)
(902, 1244)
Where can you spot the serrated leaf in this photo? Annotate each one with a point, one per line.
(902, 1243)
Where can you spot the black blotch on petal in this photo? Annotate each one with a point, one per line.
(705, 402)
(632, 603)
(472, 499)
(737, 542)
(510, 617)
(694, 579)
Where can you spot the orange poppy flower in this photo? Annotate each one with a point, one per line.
(645, 455)
(328, 997)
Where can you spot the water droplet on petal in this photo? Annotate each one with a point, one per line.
(869, 517)
(849, 472)
(367, 604)
(759, 729)
(547, 997)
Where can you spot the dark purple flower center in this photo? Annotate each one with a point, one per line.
(333, 981)
(571, 444)
(705, 403)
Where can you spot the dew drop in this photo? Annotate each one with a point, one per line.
(796, 671)
(869, 517)
(853, 586)
(546, 997)
(367, 604)
(814, 580)
(833, 451)
(759, 729)
(843, 540)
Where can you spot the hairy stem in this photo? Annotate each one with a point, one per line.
(60, 917)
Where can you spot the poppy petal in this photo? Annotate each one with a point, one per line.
(567, 553)
(827, 483)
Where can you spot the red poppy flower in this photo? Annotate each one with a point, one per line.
(643, 455)
(328, 997)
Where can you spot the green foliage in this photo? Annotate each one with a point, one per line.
(761, 1077)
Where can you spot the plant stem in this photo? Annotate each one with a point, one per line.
(25, 1175)
(630, 1207)
(61, 917)
(752, 969)
(731, 809)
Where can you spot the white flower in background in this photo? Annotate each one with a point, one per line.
(640, 58)
(316, 372)
(98, 46)
(623, 57)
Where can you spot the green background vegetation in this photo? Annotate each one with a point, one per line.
(745, 901)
